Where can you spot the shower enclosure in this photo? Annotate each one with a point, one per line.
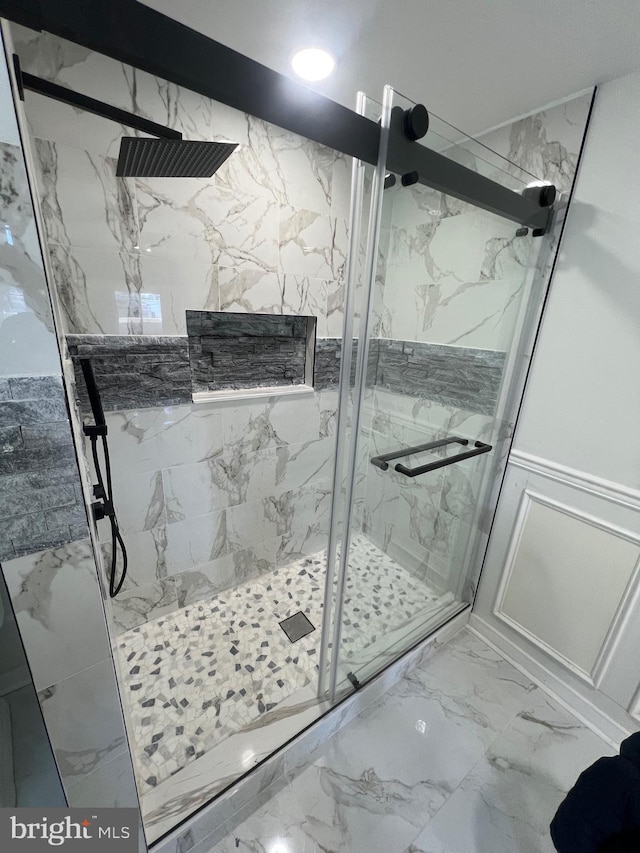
(444, 301)
(310, 368)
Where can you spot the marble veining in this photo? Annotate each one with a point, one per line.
(463, 755)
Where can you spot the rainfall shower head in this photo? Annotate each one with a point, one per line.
(169, 156)
(141, 157)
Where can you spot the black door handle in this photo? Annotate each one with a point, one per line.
(479, 448)
(382, 462)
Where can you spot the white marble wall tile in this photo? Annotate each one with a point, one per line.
(60, 123)
(153, 439)
(83, 202)
(480, 314)
(249, 289)
(112, 785)
(300, 465)
(27, 342)
(302, 518)
(116, 293)
(187, 217)
(56, 598)
(547, 143)
(99, 291)
(139, 502)
(306, 170)
(87, 738)
(248, 524)
(461, 488)
(136, 603)
(257, 291)
(252, 426)
(312, 244)
(196, 540)
(398, 415)
(146, 551)
(220, 481)
(208, 579)
(335, 309)
(341, 187)
(177, 285)
(328, 408)
(254, 167)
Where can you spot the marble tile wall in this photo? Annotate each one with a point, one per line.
(205, 496)
(48, 562)
(210, 495)
(266, 234)
(234, 350)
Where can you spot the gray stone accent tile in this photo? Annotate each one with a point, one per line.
(22, 527)
(36, 388)
(327, 364)
(448, 375)
(65, 517)
(133, 371)
(34, 457)
(41, 503)
(5, 390)
(7, 551)
(18, 412)
(233, 351)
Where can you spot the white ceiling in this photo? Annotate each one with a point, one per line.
(476, 63)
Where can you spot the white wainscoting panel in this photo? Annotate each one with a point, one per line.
(565, 579)
(560, 589)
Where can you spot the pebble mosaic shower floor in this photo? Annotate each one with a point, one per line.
(210, 670)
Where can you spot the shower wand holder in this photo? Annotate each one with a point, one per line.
(96, 430)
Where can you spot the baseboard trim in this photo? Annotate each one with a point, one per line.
(611, 728)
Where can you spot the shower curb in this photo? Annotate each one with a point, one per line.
(219, 818)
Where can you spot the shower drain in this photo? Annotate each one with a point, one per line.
(297, 626)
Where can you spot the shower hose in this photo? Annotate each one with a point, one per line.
(105, 493)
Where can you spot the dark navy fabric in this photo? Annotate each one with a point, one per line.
(601, 813)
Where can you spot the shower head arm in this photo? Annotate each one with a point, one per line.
(91, 105)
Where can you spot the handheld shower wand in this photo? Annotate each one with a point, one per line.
(103, 506)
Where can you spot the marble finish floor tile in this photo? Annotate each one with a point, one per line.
(36, 777)
(422, 771)
(197, 676)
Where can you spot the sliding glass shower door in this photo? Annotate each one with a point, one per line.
(452, 296)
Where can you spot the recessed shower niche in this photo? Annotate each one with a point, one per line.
(232, 354)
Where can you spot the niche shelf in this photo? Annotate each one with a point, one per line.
(247, 356)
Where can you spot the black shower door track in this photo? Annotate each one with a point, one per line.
(131, 32)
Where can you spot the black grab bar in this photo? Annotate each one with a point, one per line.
(382, 462)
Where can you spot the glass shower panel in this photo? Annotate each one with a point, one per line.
(447, 310)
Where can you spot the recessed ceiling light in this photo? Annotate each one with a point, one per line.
(313, 63)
